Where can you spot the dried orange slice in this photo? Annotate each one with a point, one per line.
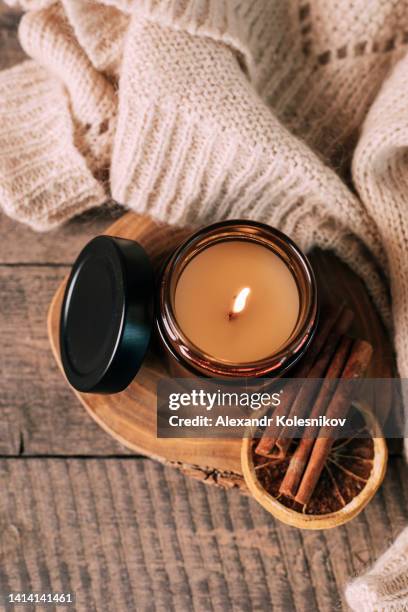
(351, 476)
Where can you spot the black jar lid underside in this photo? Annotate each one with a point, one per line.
(106, 316)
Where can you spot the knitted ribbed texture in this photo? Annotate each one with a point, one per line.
(380, 171)
(205, 109)
(384, 588)
(30, 4)
(291, 113)
(104, 50)
(48, 37)
(41, 170)
(212, 18)
(223, 109)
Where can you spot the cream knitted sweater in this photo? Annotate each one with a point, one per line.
(196, 110)
(293, 113)
(385, 587)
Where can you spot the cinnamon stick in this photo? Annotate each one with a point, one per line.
(298, 462)
(271, 433)
(307, 393)
(339, 405)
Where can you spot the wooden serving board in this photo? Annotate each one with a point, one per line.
(130, 416)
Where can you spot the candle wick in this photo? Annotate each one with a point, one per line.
(239, 303)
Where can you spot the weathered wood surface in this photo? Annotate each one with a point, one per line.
(28, 247)
(130, 416)
(38, 414)
(129, 534)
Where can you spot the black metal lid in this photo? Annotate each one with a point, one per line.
(106, 316)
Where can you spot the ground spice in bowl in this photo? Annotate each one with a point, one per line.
(352, 473)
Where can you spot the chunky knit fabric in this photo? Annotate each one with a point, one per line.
(385, 587)
(197, 110)
(292, 113)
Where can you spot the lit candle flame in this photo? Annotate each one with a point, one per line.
(240, 301)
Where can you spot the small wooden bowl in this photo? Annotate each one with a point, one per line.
(319, 521)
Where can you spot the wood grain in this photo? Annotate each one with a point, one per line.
(131, 415)
(57, 247)
(132, 535)
(38, 415)
(128, 531)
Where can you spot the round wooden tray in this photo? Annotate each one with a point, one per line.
(130, 416)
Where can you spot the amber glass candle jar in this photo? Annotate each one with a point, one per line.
(237, 299)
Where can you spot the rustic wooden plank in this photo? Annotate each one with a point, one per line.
(127, 534)
(21, 245)
(132, 534)
(38, 412)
